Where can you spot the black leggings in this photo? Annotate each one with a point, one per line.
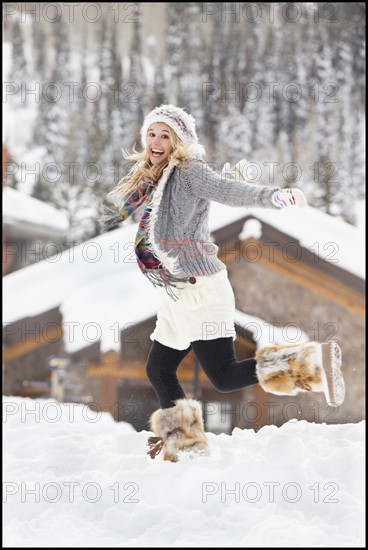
(217, 358)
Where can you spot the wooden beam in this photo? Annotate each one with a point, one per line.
(11, 352)
(32, 392)
(109, 396)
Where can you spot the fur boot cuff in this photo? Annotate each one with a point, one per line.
(178, 429)
(311, 367)
(289, 369)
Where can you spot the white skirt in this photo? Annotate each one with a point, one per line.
(204, 311)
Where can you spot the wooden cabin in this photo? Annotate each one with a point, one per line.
(280, 282)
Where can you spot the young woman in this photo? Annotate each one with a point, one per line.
(175, 251)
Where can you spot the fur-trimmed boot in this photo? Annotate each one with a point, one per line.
(311, 367)
(178, 429)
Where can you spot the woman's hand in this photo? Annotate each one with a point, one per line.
(228, 170)
(238, 171)
(289, 197)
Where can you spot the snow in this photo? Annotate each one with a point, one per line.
(149, 69)
(32, 168)
(86, 481)
(252, 229)
(17, 134)
(328, 237)
(360, 212)
(7, 54)
(18, 123)
(267, 334)
(18, 206)
(98, 311)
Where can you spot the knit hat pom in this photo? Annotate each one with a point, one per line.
(181, 122)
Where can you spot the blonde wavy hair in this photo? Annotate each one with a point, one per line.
(143, 166)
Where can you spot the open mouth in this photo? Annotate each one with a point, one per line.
(157, 153)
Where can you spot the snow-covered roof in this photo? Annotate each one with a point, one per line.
(19, 207)
(328, 237)
(99, 289)
(266, 334)
(97, 286)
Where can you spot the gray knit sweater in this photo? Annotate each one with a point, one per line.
(178, 233)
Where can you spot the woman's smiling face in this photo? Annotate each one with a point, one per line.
(158, 142)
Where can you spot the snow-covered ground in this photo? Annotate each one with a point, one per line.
(75, 478)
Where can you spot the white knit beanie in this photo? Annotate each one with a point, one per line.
(181, 122)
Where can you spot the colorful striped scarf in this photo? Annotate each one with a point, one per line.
(150, 266)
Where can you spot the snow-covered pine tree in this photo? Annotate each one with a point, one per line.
(61, 182)
(271, 94)
(175, 49)
(11, 177)
(41, 77)
(106, 81)
(326, 108)
(211, 90)
(236, 135)
(343, 62)
(39, 52)
(118, 135)
(160, 88)
(193, 64)
(135, 95)
(357, 37)
(19, 72)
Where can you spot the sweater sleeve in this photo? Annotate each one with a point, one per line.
(204, 183)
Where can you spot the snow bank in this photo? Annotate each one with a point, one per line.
(75, 478)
